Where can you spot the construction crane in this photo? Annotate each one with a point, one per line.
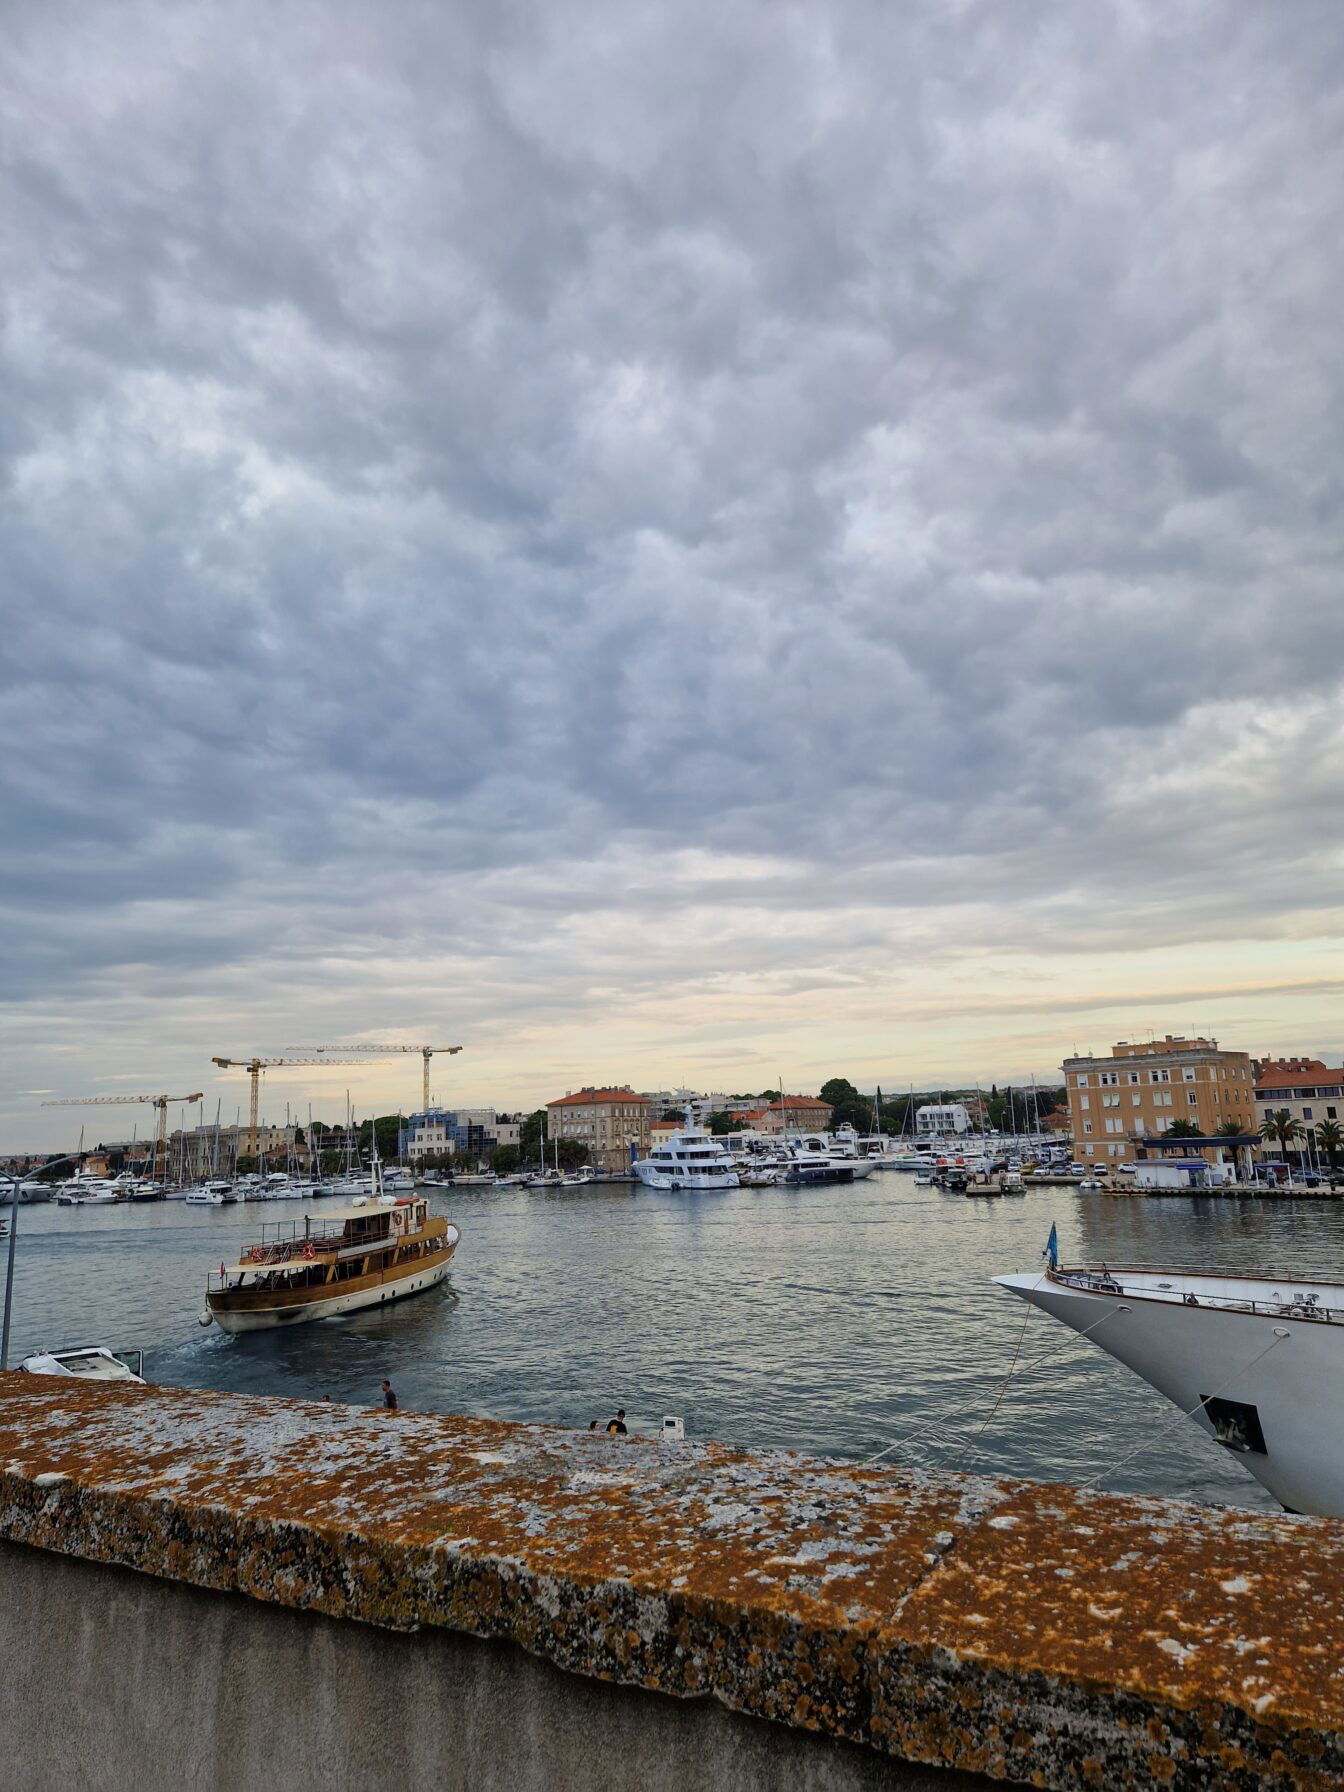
(254, 1068)
(158, 1101)
(389, 1051)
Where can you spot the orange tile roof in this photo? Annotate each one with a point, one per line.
(587, 1097)
(1297, 1079)
(798, 1101)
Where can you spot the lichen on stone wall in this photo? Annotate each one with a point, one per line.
(1028, 1632)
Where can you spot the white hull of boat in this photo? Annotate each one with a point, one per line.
(1284, 1368)
(666, 1179)
(267, 1319)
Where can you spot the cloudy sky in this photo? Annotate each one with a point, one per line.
(666, 542)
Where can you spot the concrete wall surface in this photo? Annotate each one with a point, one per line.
(115, 1681)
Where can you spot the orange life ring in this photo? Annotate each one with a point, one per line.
(257, 1253)
(310, 1250)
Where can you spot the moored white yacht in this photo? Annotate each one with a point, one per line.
(14, 1188)
(690, 1159)
(1257, 1362)
(210, 1194)
(814, 1157)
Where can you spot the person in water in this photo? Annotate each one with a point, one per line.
(616, 1426)
(389, 1397)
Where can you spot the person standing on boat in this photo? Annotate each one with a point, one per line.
(389, 1397)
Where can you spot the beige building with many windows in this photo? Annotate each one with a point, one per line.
(1141, 1090)
(607, 1121)
(1309, 1089)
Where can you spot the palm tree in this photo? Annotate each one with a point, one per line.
(1280, 1125)
(1228, 1129)
(1181, 1129)
(1329, 1137)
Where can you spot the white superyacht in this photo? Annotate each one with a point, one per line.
(690, 1159)
(1257, 1362)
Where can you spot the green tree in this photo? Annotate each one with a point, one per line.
(768, 1095)
(530, 1136)
(1228, 1129)
(848, 1107)
(573, 1154)
(1330, 1138)
(675, 1114)
(1182, 1129)
(725, 1122)
(507, 1161)
(1279, 1126)
(388, 1131)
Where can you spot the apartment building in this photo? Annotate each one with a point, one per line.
(608, 1121)
(1143, 1088)
(1309, 1089)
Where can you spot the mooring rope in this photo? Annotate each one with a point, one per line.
(1053, 1340)
(1203, 1400)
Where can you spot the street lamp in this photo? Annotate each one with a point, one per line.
(9, 1273)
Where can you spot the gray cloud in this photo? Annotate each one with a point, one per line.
(523, 507)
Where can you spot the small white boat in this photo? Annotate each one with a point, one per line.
(92, 1363)
(546, 1179)
(401, 1182)
(210, 1194)
(924, 1179)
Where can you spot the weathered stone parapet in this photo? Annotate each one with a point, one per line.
(1025, 1632)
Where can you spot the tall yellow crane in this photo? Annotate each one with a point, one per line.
(254, 1068)
(389, 1051)
(158, 1101)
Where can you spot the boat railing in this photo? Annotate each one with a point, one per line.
(1300, 1305)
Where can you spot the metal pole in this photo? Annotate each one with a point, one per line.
(9, 1274)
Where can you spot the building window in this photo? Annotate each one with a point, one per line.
(1085, 1101)
(1306, 1113)
(1330, 1114)
(1136, 1101)
(1082, 1079)
(1087, 1126)
(1087, 1151)
(1192, 1096)
(1188, 1074)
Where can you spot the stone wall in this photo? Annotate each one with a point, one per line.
(600, 1611)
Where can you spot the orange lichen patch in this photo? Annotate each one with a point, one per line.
(1209, 1635)
(1031, 1633)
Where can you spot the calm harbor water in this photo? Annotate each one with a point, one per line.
(836, 1321)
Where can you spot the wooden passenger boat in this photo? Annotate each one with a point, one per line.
(364, 1255)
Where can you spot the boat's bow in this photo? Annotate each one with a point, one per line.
(1258, 1365)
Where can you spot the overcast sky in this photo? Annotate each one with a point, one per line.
(666, 542)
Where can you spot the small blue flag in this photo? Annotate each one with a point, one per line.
(1052, 1247)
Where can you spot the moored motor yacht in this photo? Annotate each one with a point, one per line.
(690, 1159)
(363, 1255)
(210, 1194)
(1257, 1362)
(818, 1154)
(22, 1189)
